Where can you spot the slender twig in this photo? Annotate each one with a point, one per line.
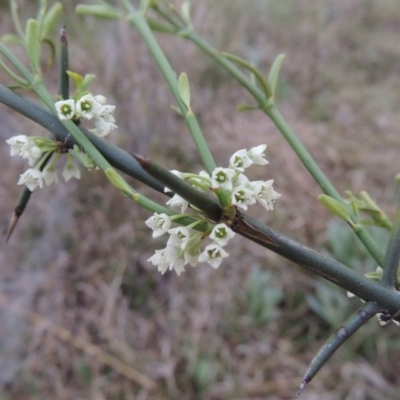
(283, 127)
(327, 268)
(391, 263)
(63, 78)
(118, 158)
(356, 321)
(139, 21)
(200, 200)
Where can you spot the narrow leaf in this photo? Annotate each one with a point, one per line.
(50, 19)
(184, 89)
(264, 84)
(32, 43)
(273, 76)
(335, 207)
(245, 107)
(99, 11)
(185, 10)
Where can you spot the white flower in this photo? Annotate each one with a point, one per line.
(31, 152)
(100, 99)
(221, 234)
(240, 160)
(242, 197)
(213, 255)
(256, 154)
(87, 107)
(222, 178)
(32, 178)
(179, 237)
(168, 259)
(177, 201)
(65, 109)
(104, 121)
(265, 194)
(25, 147)
(16, 144)
(159, 259)
(192, 256)
(70, 170)
(159, 223)
(50, 172)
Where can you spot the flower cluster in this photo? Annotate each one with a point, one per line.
(88, 107)
(183, 246)
(243, 192)
(39, 150)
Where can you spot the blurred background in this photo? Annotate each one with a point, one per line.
(77, 259)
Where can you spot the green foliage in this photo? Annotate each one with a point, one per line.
(330, 304)
(346, 248)
(262, 296)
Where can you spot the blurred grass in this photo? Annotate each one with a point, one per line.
(78, 256)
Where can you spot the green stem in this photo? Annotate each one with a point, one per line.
(391, 263)
(118, 158)
(344, 332)
(330, 269)
(139, 21)
(200, 200)
(286, 131)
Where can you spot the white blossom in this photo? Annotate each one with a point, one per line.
(16, 144)
(32, 178)
(213, 254)
(242, 197)
(240, 160)
(50, 172)
(221, 234)
(256, 154)
(104, 121)
(87, 107)
(70, 170)
(179, 237)
(265, 194)
(177, 201)
(159, 223)
(65, 109)
(222, 178)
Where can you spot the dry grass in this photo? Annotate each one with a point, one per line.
(78, 256)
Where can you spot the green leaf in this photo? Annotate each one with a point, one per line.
(185, 10)
(264, 84)
(52, 48)
(119, 182)
(99, 11)
(159, 27)
(32, 44)
(11, 39)
(245, 107)
(78, 79)
(87, 80)
(50, 20)
(184, 89)
(335, 207)
(273, 76)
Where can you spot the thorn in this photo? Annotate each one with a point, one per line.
(12, 225)
(301, 388)
(143, 161)
(63, 34)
